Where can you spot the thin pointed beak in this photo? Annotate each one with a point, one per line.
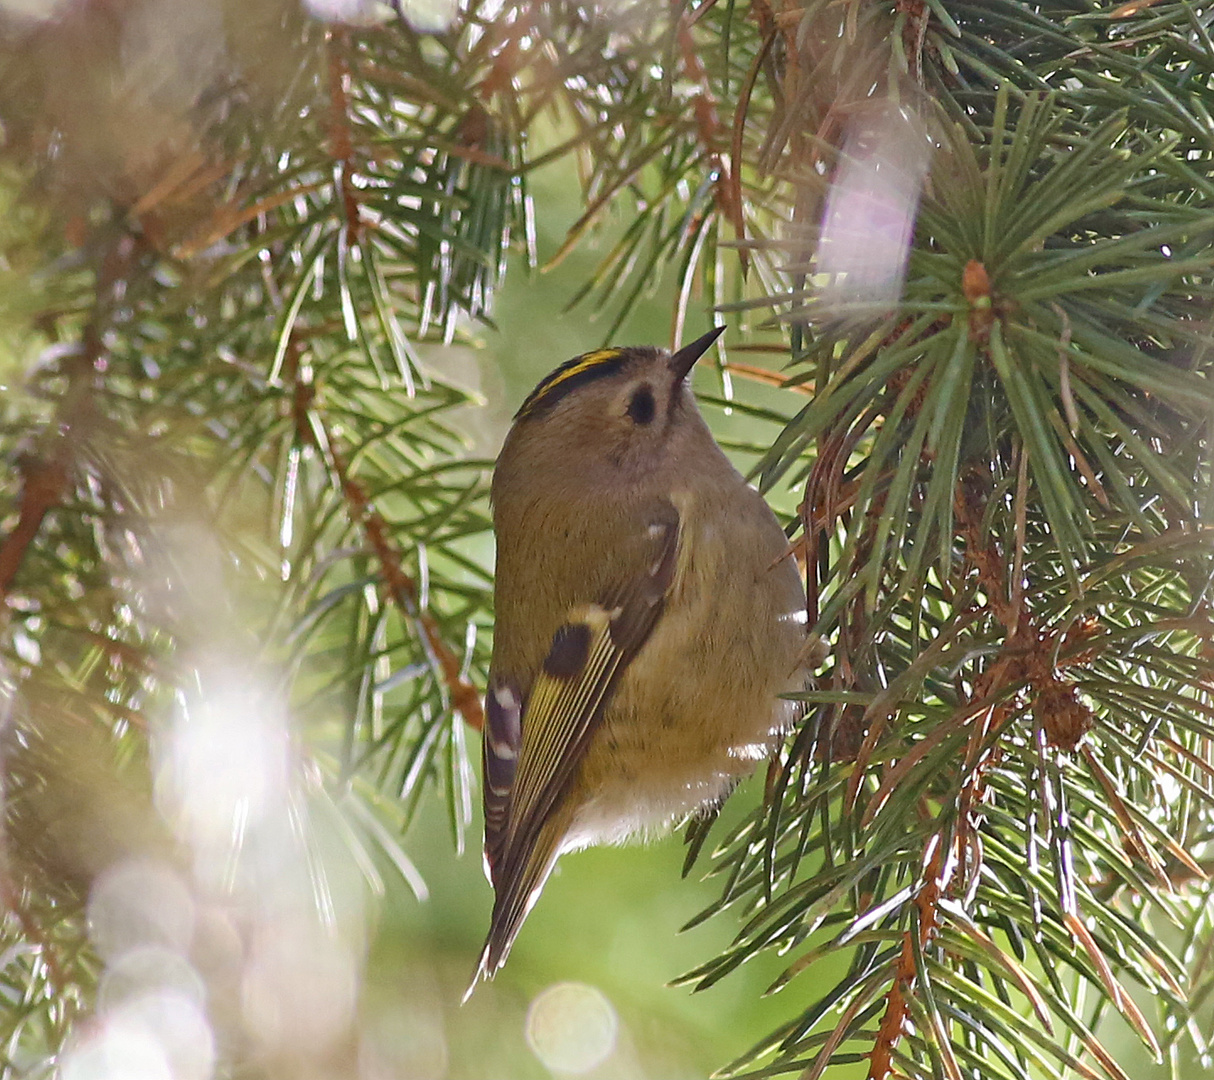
(684, 360)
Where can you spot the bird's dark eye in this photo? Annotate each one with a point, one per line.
(641, 407)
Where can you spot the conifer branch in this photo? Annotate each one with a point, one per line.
(47, 469)
(403, 590)
(727, 183)
(312, 429)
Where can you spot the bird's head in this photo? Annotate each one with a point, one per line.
(615, 409)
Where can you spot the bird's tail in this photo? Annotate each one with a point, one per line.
(516, 890)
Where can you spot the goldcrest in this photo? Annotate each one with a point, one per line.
(648, 618)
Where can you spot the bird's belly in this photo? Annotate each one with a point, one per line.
(692, 716)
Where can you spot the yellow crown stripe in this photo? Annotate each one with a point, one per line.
(579, 365)
(590, 359)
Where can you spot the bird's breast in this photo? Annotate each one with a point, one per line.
(700, 704)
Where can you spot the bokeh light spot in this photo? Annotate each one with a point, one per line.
(424, 16)
(572, 1027)
(228, 762)
(870, 212)
(31, 9)
(130, 974)
(140, 902)
(299, 988)
(159, 1036)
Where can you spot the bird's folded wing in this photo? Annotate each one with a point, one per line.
(589, 653)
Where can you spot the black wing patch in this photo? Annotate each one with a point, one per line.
(569, 651)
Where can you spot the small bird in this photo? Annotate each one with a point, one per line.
(648, 619)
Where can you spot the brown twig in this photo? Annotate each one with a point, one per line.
(945, 856)
(32, 931)
(404, 592)
(893, 1022)
(914, 33)
(42, 485)
(508, 54)
(726, 188)
(402, 588)
(46, 471)
(341, 145)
